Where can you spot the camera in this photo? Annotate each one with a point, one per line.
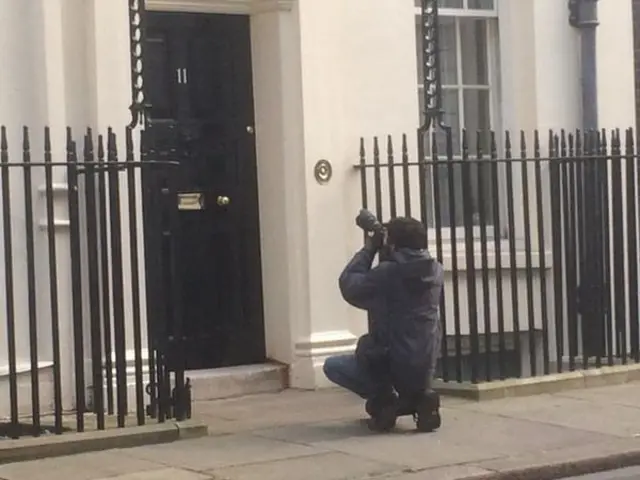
(375, 231)
(368, 222)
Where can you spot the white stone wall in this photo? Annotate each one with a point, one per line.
(325, 74)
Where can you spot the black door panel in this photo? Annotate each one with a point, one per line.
(198, 81)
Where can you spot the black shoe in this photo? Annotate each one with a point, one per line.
(427, 414)
(374, 404)
(383, 412)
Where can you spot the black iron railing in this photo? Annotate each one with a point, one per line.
(540, 245)
(75, 321)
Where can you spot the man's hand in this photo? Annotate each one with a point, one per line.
(375, 241)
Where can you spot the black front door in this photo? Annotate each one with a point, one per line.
(198, 83)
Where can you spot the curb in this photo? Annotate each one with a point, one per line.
(26, 449)
(535, 467)
(554, 383)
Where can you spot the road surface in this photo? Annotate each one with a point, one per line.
(624, 474)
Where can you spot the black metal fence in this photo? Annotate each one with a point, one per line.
(82, 351)
(540, 245)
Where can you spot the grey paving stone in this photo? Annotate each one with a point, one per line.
(89, 466)
(465, 436)
(163, 474)
(329, 466)
(567, 454)
(221, 451)
(595, 414)
(626, 395)
(455, 472)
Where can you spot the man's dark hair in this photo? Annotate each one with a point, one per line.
(406, 232)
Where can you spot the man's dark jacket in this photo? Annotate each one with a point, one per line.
(402, 295)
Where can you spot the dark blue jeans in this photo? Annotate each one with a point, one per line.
(344, 371)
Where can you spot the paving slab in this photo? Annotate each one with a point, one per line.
(626, 395)
(321, 435)
(595, 414)
(221, 451)
(291, 407)
(454, 472)
(409, 450)
(163, 474)
(481, 435)
(327, 466)
(87, 466)
(567, 461)
(286, 408)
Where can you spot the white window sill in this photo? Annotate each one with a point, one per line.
(489, 262)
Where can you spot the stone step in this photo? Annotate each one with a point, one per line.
(218, 383)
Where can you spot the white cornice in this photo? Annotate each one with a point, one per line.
(242, 7)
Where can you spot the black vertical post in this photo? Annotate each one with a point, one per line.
(484, 255)
(472, 301)
(606, 254)
(76, 279)
(542, 254)
(151, 264)
(526, 214)
(422, 176)
(556, 245)
(587, 274)
(31, 282)
(165, 335)
(377, 191)
(598, 243)
(182, 410)
(377, 179)
(632, 239)
(167, 357)
(364, 193)
(588, 300)
(451, 185)
(94, 285)
(392, 178)
(571, 247)
(363, 174)
(105, 274)
(619, 286)
(405, 177)
(365, 197)
(582, 242)
(497, 245)
(117, 278)
(513, 270)
(135, 274)
(8, 275)
(435, 165)
(53, 283)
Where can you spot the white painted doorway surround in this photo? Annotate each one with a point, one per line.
(290, 336)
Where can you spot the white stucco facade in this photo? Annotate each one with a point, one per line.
(325, 74)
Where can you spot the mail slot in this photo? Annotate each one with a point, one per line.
(191, 201)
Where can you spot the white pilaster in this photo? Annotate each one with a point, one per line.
(357, 80)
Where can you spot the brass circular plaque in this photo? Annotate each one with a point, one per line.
(323, 171)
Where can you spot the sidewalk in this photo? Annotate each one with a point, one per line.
(321, 436)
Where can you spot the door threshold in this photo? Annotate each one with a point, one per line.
(229, 382)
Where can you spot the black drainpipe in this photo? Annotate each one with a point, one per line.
(583, 14)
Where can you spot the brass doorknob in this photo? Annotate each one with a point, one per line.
(223, 201)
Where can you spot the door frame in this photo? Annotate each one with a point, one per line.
(238, 7)
(274, 29)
